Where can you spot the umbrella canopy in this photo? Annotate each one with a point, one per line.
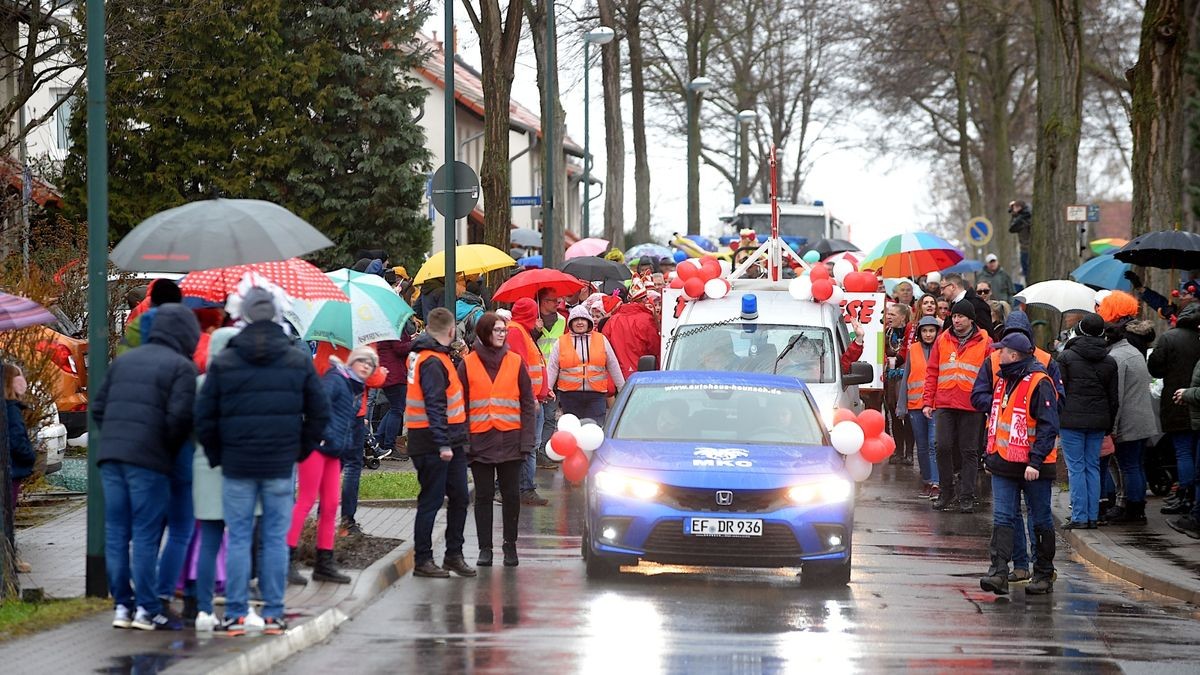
(652, 250)
(299, 279)
(1107, 245)
(1060, 295)
(964, 267)
(216, 233)
(468, 259)
(1170, 250)
(373, 313)
(855, 257)
(527, 285)
(597, 269)
(911, 254)
(530, 261)
(18, 312)
(525, 238)
(587, 247)
(702, 241)
(828, 247)
(1103, 272)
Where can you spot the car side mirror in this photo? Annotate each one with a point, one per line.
(861, 372)
(647, 363)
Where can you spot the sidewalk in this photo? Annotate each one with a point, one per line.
(56, 550)
(1152, 556)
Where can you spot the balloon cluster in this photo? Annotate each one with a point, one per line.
(861, 439)
(822, 285)
(573, 445)
(702, 278)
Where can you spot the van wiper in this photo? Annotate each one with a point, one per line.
(791, 343)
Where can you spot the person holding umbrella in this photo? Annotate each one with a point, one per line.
(581, 366)
(1188, 293)
(525, 322)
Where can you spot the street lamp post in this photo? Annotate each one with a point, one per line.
(600, 36)
(744, 117)
(695, 88)
(551, 234)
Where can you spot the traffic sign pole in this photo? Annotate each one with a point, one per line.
(450, 294)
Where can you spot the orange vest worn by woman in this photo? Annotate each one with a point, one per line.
(493, 404)
(574, 374)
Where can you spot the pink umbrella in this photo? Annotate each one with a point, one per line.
(587, 247)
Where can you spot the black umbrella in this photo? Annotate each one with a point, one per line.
(591, 268)
(828, 247)
(1169, 250)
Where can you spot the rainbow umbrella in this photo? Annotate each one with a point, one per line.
(911, 254)
(1107, 245)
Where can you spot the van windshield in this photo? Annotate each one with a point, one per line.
(754, 348)
(812, 227)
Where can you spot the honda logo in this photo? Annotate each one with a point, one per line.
(724, 497)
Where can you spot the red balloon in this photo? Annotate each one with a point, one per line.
(843, 415)
(693, 288)
(677, 282)
(818, 272)
(686, 270)
(565, 443)
(709, 269)
(874, 450)
(860, 282)
(822, 289)
(870, 420)
(889, 442)
(575, 467)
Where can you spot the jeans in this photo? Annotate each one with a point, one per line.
(1133, 474)
(1020, 558)
(1185, 459)
(1006, 500)
(393, 420)
(440, 480)
(352, 466)
(135, 508)
(1081, 449)
(212, 533)
(549, 425)
(924, 430)
(958, 434)
(181, 524)
(529, 464)
(239, 496)
(1108, 487)
(486, 476)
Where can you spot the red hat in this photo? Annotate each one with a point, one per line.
(525, 312)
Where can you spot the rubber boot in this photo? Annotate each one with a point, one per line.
(1000, 550)
(1043, 567)
(1133, 514)
(325, 570)
(294, 576)
(510, 554)
(485, 558)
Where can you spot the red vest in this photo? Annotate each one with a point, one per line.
(1011, 429)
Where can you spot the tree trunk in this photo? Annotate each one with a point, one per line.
(962, 115)
(637, 81)
(996, 162)
(614, 133)
(1059, 39)
(535, 12)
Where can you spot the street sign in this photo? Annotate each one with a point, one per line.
(980, 231)
(1093, 213)
(459, 202)
(1077, 213)
(526, 200)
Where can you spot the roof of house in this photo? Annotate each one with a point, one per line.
(42, 192)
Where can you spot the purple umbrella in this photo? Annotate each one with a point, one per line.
(17, 312)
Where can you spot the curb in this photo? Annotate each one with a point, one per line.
(389, 503)
(1099, 549)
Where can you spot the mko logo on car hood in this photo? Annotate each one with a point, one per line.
(693, 456)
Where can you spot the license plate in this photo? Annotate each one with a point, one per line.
(723, 527)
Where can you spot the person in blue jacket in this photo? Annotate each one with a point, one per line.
(21, 455)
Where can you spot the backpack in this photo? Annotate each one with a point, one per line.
(467, 314)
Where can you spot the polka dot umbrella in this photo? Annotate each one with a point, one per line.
(299, 279)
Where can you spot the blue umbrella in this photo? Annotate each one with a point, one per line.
(703, 242)
(652, 250)
(964, 267)
(530, 261)
(1103, 272)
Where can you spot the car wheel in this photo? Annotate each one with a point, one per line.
(818, 575)
(601, 567)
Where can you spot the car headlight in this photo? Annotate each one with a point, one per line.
(626, 486)
(828, 491)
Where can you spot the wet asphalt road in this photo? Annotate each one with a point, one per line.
(914, 603)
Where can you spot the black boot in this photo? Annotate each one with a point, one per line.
(1043, 569)
(1000, 551)
(510, 554)
(1176, 507)
(485, 558)
(325, 570)
(1134, 513)
(294, 576)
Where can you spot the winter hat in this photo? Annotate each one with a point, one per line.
(258, 305)
(965, 308)
(1091, 325)
(1191, 287)
(929, 321)
(1118, 305)
(933, 278)
(612, 302)
(504, 314)
(637, 290)
(1101, 295)
(163, 291)
(363, 353)
(525, 312)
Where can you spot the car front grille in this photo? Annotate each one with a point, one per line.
(705, 500)
(777, 547)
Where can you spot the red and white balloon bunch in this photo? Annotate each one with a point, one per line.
(820, 285)
(861, 439)
(702, 278)
(573, 445)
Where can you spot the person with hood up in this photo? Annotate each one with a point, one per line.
(21, 455)
(524, 325)
(501, 418)
(581, 366)
(915, 367)
(633, 331)
(1135, 415)
(469, 306)
(261, 410)
(1022, 427)
(1089, 409)
(143, 410)
(1174, 357)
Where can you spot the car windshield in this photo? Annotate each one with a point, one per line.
(718, 413)
(754, 348)
(811, 227)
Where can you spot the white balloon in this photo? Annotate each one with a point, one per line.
(847, 437)
(569, 422)
(801, 288)
(726, 267)
(550, 452)
(858, 468)
(716, 288)
(841, 268)
(590, 437)
(837, 296)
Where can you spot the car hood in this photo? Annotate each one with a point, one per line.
(721, 457)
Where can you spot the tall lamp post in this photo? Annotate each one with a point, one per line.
(744, 118)
(599, 36)
(694, 89)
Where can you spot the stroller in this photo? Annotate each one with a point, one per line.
(373, 451)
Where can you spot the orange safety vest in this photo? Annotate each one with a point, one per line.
(493, 404)
(574, 374)
(537, 371)
(1011, 429)
(917, 363)
(414, 406)
(1041, 355)
(957, 370)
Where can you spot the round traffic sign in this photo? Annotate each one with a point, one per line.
(980, 231)
(457, 201)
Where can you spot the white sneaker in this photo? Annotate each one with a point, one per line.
(142, 620)
(121, 618)
(254, 621)
(205, 622)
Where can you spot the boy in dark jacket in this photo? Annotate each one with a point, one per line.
(1089, 411)
(261, 410)
(144, 412)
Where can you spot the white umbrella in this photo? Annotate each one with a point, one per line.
(1060, 295)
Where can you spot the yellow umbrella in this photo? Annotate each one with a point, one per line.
(468, 259)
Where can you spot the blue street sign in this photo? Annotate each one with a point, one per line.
(980, 231)
(526, 200)
(1093, 213)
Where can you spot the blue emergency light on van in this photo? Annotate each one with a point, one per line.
(749, 307)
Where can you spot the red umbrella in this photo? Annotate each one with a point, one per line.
(299, 279)
(528, 283)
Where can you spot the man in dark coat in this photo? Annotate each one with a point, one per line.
(954, 289)
(1021, 224)
(144, 413)
(1173, 358)
(261, 410)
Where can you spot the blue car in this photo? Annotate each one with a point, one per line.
(718, 469)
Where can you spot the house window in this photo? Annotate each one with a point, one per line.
(62, 118)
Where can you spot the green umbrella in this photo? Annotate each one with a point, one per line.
(374, 312)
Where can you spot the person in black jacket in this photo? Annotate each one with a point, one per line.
(1021, 224)
(1089, 412)
(262, 409)
(143, 410)
(1175, 355)
(954, 290)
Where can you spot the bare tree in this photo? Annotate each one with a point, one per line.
(632, 18)
(535, 12)
(35, 52)
(614, 132)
